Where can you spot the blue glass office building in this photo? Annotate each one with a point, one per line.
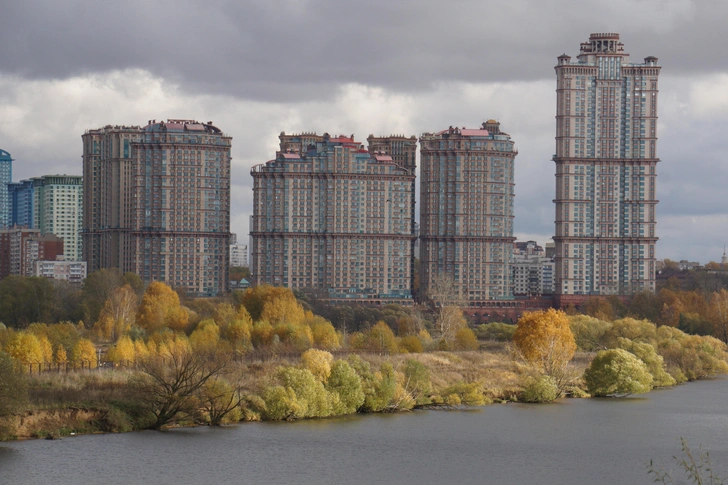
(6, 177)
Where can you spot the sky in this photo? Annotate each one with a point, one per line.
(256, 68)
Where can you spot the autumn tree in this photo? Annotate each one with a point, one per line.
(160, 307)
(98, 287)
(255, 298)
(124, 352)
(219, 398)
(168, 386)
(545, 340)
(118, 313)
(318, 362)
(25, 348)
(206, 336)
(617, 372)
(719, 313)
(84, 354)
(446, 299)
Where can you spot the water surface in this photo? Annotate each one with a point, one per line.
(590, 441)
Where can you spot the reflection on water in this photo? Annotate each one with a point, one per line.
(570, 442)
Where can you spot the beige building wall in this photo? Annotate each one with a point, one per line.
(606, 158)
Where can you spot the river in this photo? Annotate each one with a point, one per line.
(574, 441)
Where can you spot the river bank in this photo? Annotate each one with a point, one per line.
(102, 401)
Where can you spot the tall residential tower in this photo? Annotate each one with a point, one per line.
(333, 218)
(466, 211)
(606, 158)
(158, 203)
(6, 177)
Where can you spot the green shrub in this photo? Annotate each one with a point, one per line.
(417, 381)
(501, 332)
(617, 372)
(588, 331)
(471, 393)
(647, 354)
(541, 389)
(345, 386)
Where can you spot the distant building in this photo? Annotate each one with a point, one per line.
(21, 203)
(58, 209)
(466, 211)
(238, 255)
(606, 161)
(71, 271)
(157, 203)
(6, 177)
(331, 216)
(533, 272)
(21, 247)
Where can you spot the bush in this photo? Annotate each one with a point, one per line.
(588, 332)
(617, 372)
(410, 344)
(417, 381)
(318, 362)
(467, 393)
(345, 386)
(542, 389)
(501, 332)
(465, 339)
(647, 354)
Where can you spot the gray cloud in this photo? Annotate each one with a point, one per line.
(304, 49)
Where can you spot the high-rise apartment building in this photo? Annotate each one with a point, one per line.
(466, 211)
(58, 209)
(21, 203)
(606, 158)
(160, 203)
(108, 179)
(334, 218)
(6, 177)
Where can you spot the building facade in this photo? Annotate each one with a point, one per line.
(161, 203)
(20, 247)
(606, 159)
(532, 270)
(108, 175)
(72, 271)
(21, 203)
(58, 208)
(466, 211)
(238, 253)
(6, 177)
(334, 218)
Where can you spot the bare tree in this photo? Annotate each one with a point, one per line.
(169, 385)
(446, 299)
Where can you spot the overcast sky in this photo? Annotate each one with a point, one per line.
(256, 68)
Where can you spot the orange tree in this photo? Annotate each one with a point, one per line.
(545, 340)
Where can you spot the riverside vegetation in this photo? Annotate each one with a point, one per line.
(264, 355)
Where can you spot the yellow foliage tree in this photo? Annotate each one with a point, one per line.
(262, 334)
(381, 338)
(160, 307)
(84, 354)
(205, 337)
(25, 348)
(545, 340)
(255, 298)
(46, 349)
(324, 333)
(318, 362)
(238, 334)
(118, 313)
(60, 358)
(124, 352)
(140, 349)
(283, 309)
